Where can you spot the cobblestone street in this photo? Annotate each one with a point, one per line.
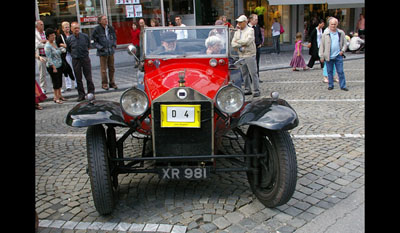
(329, 143)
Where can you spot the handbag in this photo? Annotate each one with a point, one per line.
(282, 30)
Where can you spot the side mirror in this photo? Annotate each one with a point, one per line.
(132, 50)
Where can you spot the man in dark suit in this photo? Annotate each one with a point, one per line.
(105, 40)
(253, 20)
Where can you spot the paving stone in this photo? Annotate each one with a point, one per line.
(70, 225)
(150, 227)
(330, 168)
(136, 227)
(221, 223)
(234, 217)
(164, 228)
(208, 227)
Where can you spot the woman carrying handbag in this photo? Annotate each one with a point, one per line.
(66, 57)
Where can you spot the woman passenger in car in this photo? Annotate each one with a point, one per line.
(214, 45)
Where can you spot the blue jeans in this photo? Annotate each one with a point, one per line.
(338, 63)
(275, 42)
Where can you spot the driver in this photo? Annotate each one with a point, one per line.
(168, 42)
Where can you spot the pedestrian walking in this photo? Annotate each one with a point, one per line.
(297, 59)
(54, 64)
(314, 42)
(40, 41)
(332, 50)
(243, 41)
(67, 70)
(253, 23)
(39, 95)
(276, 34)
(78, 45)
(105, 40)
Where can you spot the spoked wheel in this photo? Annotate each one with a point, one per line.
(99, 169)
(273, 180)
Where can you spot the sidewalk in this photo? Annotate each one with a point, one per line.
(125, 74)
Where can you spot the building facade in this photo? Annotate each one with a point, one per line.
(294, 15)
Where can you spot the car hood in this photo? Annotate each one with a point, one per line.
(199, 75)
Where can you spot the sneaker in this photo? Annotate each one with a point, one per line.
(344, 89)
(256, 94)
(330, 88)
(248, 93)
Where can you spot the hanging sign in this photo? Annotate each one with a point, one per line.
(133, 11)
(119, 2)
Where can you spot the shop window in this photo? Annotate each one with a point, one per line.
(54, 12)
(89, 10)
(314, 12)
(183, 8)
(122, 14)
(266, 15)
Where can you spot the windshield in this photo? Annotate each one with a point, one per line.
(191, 41)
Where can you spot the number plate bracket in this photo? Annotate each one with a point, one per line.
(180, 116)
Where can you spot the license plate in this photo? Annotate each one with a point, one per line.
(190, 173)
(186, 116)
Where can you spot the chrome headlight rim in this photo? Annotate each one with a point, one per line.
(133, 91)
(224, 89)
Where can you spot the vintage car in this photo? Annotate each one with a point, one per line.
(187, 98)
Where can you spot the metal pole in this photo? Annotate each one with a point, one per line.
(162, 13)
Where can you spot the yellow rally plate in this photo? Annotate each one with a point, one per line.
(180, 116)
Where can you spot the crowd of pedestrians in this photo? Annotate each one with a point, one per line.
(68, 53)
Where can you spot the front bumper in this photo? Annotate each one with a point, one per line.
(240, 165)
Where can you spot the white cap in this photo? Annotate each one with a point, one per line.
(241, 18)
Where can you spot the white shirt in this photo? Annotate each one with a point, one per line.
(181, 34)
(355, 43)
(319, 36)
(275, 33)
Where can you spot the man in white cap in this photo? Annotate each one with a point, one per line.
(243, 40)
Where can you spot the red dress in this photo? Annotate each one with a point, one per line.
(39, 95)
(135, 37)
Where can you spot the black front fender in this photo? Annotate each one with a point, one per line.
(269, 114)
(95, 112)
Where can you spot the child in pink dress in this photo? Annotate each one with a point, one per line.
(297, 59)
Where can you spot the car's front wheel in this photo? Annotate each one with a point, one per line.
(99, 171)
(274, 175)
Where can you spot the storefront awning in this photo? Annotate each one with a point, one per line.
(295, 2)
(332, 4)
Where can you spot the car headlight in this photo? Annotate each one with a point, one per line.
(229, 99)
(134, 102)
